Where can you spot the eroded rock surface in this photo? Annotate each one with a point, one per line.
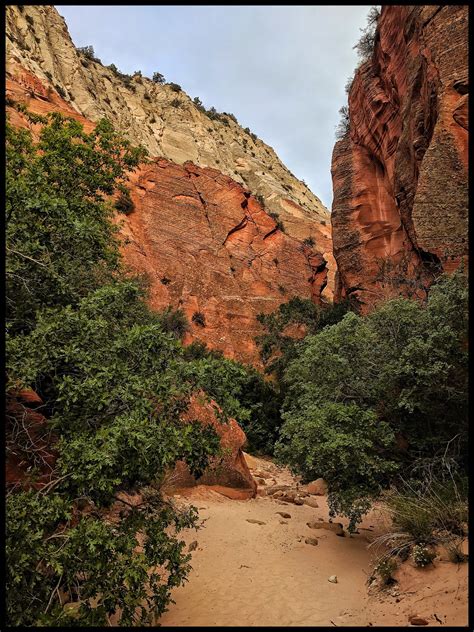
(166, 122)
(400, 173)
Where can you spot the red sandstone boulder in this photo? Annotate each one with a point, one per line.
(227, 471)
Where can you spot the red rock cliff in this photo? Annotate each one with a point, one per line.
(207, 245)
(400, 173)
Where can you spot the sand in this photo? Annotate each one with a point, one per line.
(251, 574)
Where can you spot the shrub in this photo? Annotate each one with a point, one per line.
(158, 78)
(147, 97)
(309, 241)
(174, 322)
(30, 20)
(175, 103)
(277, 220)
(114, 381)
(175, 87)
(165, 280)
(366, 43)
(422, 555)
(344, 124)
(88, 52)
(385, 569)
(405, 365)
(199, 319)
(124, 203)
(260, 199)
(62, 93)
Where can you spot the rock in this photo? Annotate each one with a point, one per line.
(232, 472)
(333, 579)
(318, 487)
(283, 514)
(283, 522)
(195, 222)
(312, 541)
(311, 502)
(193, 546)
(392, 176)
(415, 620)
(261, 481)
(253, 521)
(335, 527)
(279, 490)
(298, 501)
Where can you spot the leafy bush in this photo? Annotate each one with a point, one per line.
(422, 555)
(124, 203)
(403, 368)
(385, 569)
(344, 124)
(277, 220)
(88, 53)
(114, 380)
(309, 241)
(199, 319)
(158, 78)
(176, 103)
(366, 43)
(175, 87)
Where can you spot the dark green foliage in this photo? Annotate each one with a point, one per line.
(174, 321)
(114, 380)
(88, 53)
(344, 124)
(175, 87)
(165, 280)
(158, 78)
(61, 193)
(176, 103)
(365, 45)
(90, 560)
(403, 369)
(199, 319)
(261, 200)
(49, 75)
(309, 241)
(278, 222)
(124, 202)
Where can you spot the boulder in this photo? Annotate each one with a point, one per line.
(335, 527)
(319, 487)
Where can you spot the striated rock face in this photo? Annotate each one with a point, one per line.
(205, 243)
(400, 173)
(166, 122)
(209, 247)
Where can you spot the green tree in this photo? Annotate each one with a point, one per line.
(400, 372)
(114, 381)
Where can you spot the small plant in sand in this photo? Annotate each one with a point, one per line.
(385, 569)
(422, 555)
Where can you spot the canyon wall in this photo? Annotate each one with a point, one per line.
(252, 270)
(400, 204)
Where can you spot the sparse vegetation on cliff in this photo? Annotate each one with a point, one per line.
(365, 45)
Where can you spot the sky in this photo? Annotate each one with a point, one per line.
(281, 70)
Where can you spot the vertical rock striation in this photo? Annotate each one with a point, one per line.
(400, 173)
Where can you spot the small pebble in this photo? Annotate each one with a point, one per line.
(333, 579)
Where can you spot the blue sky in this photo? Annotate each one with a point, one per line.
(280, 69)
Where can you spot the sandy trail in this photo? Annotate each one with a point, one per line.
(252, 574)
